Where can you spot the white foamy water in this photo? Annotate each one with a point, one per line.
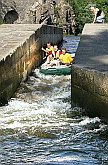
(39, 127)
(21, 113)
(87, 120)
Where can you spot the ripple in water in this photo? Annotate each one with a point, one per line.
(39, 127)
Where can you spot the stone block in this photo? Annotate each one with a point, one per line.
(20, 52)
(90, 71)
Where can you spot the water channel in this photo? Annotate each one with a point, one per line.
(39, 126)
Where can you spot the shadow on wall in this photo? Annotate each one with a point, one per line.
(92, 52)
(11, 17)
(90, 72)
(93, 105)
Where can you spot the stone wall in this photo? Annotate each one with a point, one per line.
(65, 17)
(57, 12)
(5, 7)
(20, 52)
(29, 11)
(91, 81)
(90, 71)
(90, 91)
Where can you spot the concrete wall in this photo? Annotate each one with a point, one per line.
(90, 91)
(90, 71)
(20, 52)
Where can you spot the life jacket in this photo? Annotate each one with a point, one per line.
(49, 50)
(66, 58)
(60, 52)
(49, 53)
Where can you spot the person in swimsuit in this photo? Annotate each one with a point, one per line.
(98, 15)
(49, 52)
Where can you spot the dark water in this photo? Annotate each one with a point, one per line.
(39, 127)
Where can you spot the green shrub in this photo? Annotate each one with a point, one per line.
(83, 14)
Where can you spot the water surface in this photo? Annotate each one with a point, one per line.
(40, 127)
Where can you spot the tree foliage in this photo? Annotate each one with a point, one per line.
(82, 11)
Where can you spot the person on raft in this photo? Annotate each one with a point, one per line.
(65, 58)
(49, 52)
(98, 15)
(56, 55)
(56, 52)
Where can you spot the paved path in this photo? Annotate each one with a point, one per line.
(13, 35)
(92, 51)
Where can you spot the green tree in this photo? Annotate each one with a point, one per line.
(83, 14)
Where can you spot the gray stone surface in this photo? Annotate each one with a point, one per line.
(92, 52)
(12, 36)
(29, 11)
(38, 11)
(90, 71)
(20, 52)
